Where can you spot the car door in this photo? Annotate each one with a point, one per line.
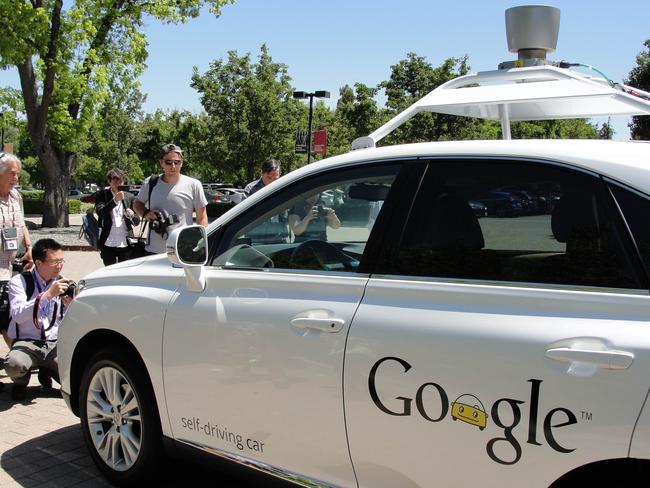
(253, 365)
(499, 351)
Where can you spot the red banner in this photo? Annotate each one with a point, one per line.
(319, 142)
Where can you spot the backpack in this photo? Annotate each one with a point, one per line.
(5, 309)
(89, 229)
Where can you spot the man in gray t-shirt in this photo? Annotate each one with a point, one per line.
(174, 193)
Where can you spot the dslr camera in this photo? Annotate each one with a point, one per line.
(320, 211)
(72, 287)
(134, 221)
(17, 265)
(164, 219)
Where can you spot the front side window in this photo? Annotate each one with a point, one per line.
(320, 224)
(515, 222)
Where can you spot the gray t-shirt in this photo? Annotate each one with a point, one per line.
(180, 198)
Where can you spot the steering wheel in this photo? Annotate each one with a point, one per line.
(317, 254)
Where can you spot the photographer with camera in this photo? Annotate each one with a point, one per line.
(116, 219)
(171, 199)
(311, 219)
(39, 300)
(13, 231)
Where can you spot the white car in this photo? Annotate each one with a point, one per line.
(394, 339)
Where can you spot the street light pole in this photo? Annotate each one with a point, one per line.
(302, 95)
(311, 111)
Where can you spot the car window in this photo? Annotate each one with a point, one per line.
(515, 222)
(320, 224)
(636, 208)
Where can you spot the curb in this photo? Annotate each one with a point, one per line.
(75, 247)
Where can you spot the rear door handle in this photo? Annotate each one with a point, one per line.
(322, 324)
(605, 359)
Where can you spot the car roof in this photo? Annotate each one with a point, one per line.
(627, 162)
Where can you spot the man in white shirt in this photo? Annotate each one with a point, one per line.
(172, 201)
(35, 320)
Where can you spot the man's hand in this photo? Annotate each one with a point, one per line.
(119, 196)
(57, 288)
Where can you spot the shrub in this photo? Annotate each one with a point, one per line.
(33, 203)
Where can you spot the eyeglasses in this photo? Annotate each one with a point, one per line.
(175, 162)
(55, 262)
(116, 178)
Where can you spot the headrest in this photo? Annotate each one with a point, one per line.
(454, 225)
(575, 216)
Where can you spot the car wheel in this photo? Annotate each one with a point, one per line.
(119, 418)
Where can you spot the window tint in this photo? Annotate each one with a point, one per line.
(636, 209)
(320, 224)
(517, 222)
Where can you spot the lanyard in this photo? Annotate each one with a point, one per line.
(37, 304)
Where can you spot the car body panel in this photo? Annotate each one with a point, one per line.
(449, 339)
(281, 379)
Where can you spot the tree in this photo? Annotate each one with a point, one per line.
(640, 78)
(65, 58)
(252, 115)
(413, 78)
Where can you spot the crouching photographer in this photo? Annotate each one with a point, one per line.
(39, 299)
(169, 200)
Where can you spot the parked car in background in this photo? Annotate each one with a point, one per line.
(500, 203)
(90, 198)
(75, 194)
(479, 209)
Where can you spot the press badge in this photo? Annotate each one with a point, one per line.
(9, 239)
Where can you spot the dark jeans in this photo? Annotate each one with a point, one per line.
(112, 255)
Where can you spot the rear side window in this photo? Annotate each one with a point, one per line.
(636, 210)
(515, 222)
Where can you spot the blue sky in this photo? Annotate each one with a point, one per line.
(329, 43)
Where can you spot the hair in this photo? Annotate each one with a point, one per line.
(39, 251)
(270, 165)
(115, 172)
(6, 159)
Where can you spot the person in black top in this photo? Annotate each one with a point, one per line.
(116, 218)
(270, 172)
(310, 219)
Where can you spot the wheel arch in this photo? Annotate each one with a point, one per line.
(619, 472)
(87, 347)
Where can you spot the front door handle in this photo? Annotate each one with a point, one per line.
(605, 359)
(322, 324)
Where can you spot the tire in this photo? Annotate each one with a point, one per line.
(119, 418)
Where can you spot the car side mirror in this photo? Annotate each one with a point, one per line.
(188, 246)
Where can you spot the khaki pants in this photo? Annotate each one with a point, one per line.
(26, 355)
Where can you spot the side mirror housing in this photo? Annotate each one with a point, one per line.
(188, 247)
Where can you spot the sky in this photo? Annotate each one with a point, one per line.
(327, 44)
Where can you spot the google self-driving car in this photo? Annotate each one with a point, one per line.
(338, 341)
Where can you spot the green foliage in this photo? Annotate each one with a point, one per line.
(640, 78)
(65, 58)
(251, 114)
(74, 206)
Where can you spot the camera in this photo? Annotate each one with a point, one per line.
(163, 220)
(17, 266)
(123, 188)
(134, 220)
(320, 211)
(72, 287)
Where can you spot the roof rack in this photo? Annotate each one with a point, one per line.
(529, 93)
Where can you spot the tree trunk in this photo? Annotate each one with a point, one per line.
(57, 177)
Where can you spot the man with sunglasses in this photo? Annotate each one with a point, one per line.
(175, 194)
(38, 304)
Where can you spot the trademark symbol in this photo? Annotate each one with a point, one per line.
(585, 415)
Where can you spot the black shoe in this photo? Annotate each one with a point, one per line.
(18, 392)
(45, 379)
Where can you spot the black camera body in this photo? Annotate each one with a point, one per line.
(133, 220)
(18, 266)
(72, 287)
(320, 212)
(163, 220)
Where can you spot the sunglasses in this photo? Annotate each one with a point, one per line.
(175, 162)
